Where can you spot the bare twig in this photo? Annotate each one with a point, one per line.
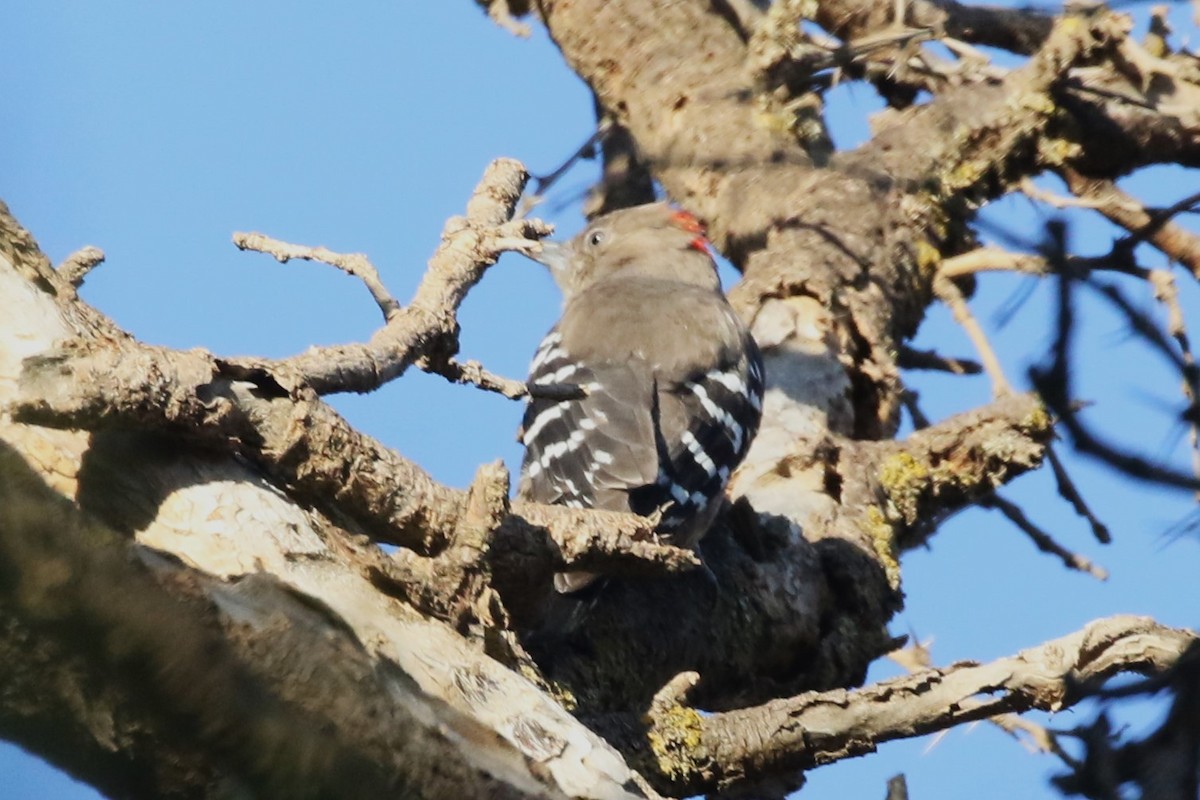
(1053, 380)
(917, 657)
(355, 264)
(75, 267)
(952, 296)
(1143, 225)
(427, 328)
(1069, 492)
(1120, 260)
(911, 400)
(543, 183)
(474, 374)
(912, 358)
(992, 259)
(1056, 200)
(1035, 737)
(1167, 293)
(1044, 541)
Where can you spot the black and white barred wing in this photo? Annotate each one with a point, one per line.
(708, 422)
(590, 451)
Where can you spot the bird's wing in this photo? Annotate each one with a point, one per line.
(589, 451)
(707, 421)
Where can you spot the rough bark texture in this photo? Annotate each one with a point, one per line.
(161, 510)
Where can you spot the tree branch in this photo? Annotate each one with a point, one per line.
(704, 753)
(1015, 29)
(218, 515)
(248, 684)
(427, 328)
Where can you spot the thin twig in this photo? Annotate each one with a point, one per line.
(1038, 738)
(912, 358)
(543, 184)
(473, 373)
(1044, 541)
(427, 328)
(355, 264)
(1154, 227)
(911, 401)
(1167, 293)
(75, 267)
(1030, 190)
(1069, 492)
(918, 656)
(952, 296)
(992, 259)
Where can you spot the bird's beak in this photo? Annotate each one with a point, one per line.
(554, 255)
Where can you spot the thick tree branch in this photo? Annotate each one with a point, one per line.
(307, 446)
(218, 515)
(942, 468)
(246, 682)
(707, 753)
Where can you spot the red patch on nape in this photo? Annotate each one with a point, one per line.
(684, 220)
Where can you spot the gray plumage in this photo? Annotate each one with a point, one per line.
(673, 380)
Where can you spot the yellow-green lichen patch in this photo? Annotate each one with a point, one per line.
(882, 534)
(1041, 102)
(1038, 420)
(965, 174)
(904, 479)
(929, 258)
(565, 697)
(675, 741)
(1056, 151)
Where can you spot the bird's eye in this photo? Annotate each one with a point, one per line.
(596, 238)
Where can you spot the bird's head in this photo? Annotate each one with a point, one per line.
(653, 241)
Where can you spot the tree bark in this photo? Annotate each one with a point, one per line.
(193, 601)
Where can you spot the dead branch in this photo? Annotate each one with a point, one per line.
(708, 752)
(305, 445)
(952, 296)
(1019, 30)
(427, 328)
(354, 264)
(912, 358)
(75, 267)
(1070, 492)
(212, 668)
(952, 463)
(1044, 541)
(1053, 378)
(1122, 209)
(218, 515)
(1163, 764)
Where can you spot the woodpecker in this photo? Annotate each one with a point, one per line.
(670, 382)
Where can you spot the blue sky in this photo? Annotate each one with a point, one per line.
(154, 131)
